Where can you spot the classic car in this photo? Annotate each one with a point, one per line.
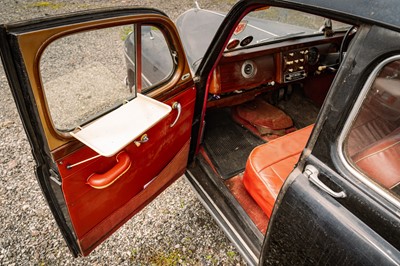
(287, 125)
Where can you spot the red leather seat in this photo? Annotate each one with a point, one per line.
(269, 165)
(381, 160)
(368, 128)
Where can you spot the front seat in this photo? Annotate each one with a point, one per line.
(269, 165)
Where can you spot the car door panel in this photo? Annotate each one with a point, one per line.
(88, 206)
(312, 228)
(112, 222)
(88, 214)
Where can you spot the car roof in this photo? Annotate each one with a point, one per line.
(384, 12)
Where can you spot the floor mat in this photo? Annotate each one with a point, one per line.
(227, 143)
(267, 118)
(302, 111)
(263, 119)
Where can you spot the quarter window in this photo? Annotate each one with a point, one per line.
(154, 69)
(372, 145)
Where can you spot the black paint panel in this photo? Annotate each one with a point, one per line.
(368, 49)
(311, 228)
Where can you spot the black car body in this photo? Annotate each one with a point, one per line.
(292, 144)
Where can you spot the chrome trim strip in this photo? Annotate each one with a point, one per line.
(346, 130)
(242, 252)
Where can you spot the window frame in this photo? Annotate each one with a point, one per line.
(166, 79)
(346, 129)
(137, 23)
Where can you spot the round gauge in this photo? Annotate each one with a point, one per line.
(313, 56)
(246, 41)
(249, 69)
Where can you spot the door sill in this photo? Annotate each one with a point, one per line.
(240, 231)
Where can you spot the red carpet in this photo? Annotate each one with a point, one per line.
(235, 185)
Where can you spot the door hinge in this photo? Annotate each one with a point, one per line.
(311, 172)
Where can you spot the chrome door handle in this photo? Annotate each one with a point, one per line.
(176, 106)
(312, 173)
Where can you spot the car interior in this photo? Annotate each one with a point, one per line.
(263, 102)
(373, 140)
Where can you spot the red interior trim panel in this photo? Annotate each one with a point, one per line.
(123, 176)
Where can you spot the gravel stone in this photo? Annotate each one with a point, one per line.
(174, 229)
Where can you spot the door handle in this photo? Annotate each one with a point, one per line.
(100, 181)
(312, 173)
(176, 106)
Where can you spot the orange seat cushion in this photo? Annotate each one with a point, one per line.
(269, 165)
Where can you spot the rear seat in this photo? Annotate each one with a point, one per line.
(381, 160)
(269, 165)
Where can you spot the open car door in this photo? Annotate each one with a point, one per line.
(103, 149)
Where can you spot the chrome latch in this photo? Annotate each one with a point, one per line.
(143, 139)
(312, 173)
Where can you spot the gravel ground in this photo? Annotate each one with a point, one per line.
(174, 229)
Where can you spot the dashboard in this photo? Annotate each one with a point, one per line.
(273, 64)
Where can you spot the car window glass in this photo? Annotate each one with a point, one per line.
(157, 62)
(373, 142)
(87, 74)
(275, 23)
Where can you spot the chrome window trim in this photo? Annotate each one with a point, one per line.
(350, 119)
